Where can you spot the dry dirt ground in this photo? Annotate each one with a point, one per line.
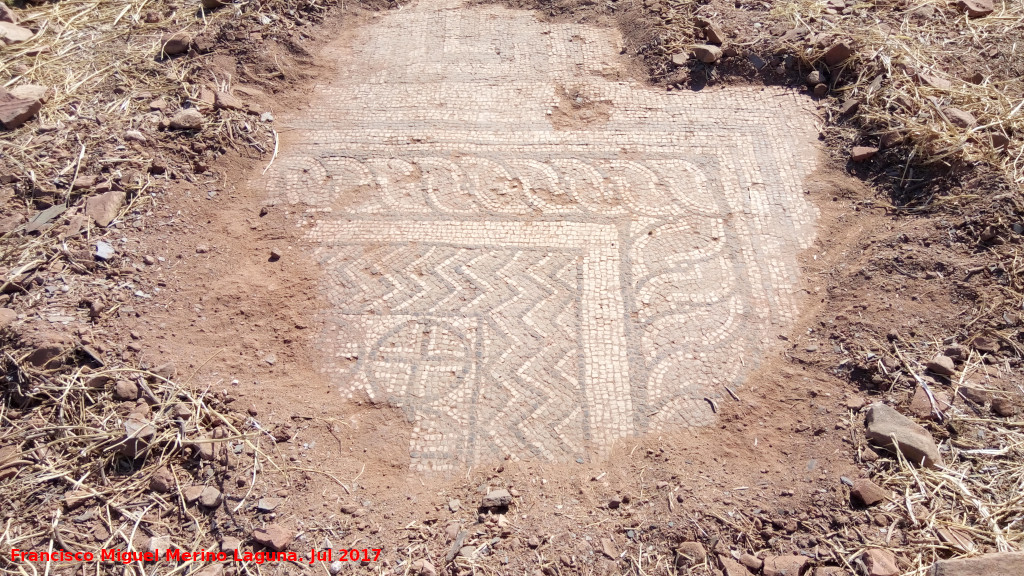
(215, 322)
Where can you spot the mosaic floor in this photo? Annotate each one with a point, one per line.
(528, 253)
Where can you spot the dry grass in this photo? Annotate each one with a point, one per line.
(73, 469)
(898, 52)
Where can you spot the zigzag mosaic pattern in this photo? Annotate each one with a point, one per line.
(525, 289)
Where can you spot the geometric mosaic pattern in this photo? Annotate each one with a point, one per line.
(530, 255)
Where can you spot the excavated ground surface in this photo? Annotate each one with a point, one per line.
(528, 254)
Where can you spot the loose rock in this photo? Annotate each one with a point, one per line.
(752, 562)
(731, 567)
(423, 567)
(274, 537)
(13, 34)
(1003, 407)
(880, 562)
(125, 390)
(172, 44)
(921, 405)
(187, 119)
(136, 439)
(210, 497)
(14, 111)
(868, 493)
(862, 153)
(162, 480)
(838, 53)
(977, 8)
(7, 317)
(942, 365)
(997, 564)
(104, 207)
(7, 15)
(783, 565)
(714, 34)
(707, 53)
(690, 553)
(883, 423)
(226, 101)
(960, 118)
(104, 251)
(496, 498)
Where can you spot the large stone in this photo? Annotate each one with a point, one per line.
(893, 431)
(880, 562)
(274, 537)
(496, 498)
(784, 565)
(997, 564)
(707, 53)
(13, 34)
(104, 207)
(187, 119)
(977, 8)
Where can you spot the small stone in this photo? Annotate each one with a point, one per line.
(274, 537)
(731, 567)
(104, 251)
(125, 390)
(756, 61)
(977, 8)
(423, 567)
(983, 344)
(275, 254)
(814, 78)
(162, 480)
(167, 370)
(882, 424)
(849, 106)
(134, 136)
(173, 44)
(230, 543)
(783, 565)
(226, 101)
(7, 15)
(137, 435)
(159, 543)
(753, 563)
(957, 539)
(11, 33)
(454, 505)
(212, 4)
(7, 317)
(202, 249)
(689, 554)
(533, 542)
(158, 105)
(960, 118)
(714, 35)
(210, 497)
(838, 54)
(880, 562)
(266, 117)
(266, 505)
(187, 119)
(608, 549)
(14, 112)
(34, 92)
(496, 498)
(1003, 407)
(707, 53)
(103, 208)
(921, 405)
(868, 493)
(681, 58)
(192, 493)
(820, 90)
(942, 365)
(335, 567)
(1000, 141)
(862, 153)
(614, 503)
(995, 564)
